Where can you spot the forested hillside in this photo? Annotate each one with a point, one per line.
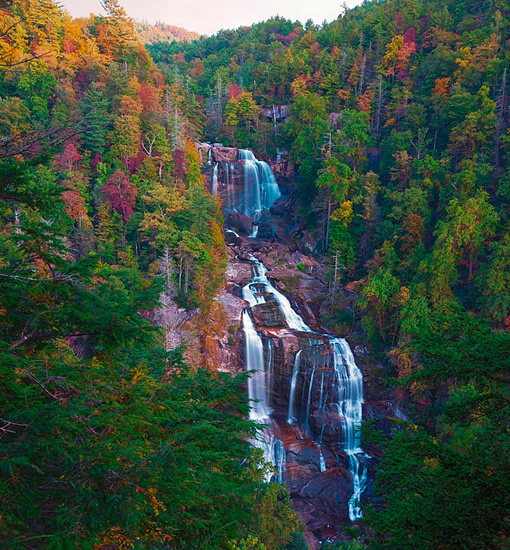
(106, 439)
(395, 121)
(396, 117)
(160, 32)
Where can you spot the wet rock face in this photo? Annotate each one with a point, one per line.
(240, 223)
(326, 423)
(268, 315)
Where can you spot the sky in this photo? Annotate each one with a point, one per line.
(209, 16)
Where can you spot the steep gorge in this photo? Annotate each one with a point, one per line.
(306, 386)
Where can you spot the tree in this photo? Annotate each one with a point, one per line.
(436, 484)
(380, 296)
(353, 136)
(121, 194)
(335, 178)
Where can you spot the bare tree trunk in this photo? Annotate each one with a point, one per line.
(326, 236)
(334, 287)
(379, 107)
(362, 73)
(180, 275)
(186, 277)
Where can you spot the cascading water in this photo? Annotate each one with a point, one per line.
(350, 403)
(260, 186)
(324, 370)
(257, 384)
(214, 183)
(227, 169)
(260, 382)
(348, 381)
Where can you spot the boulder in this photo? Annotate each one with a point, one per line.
(240, 223)
(312, 541)
(268, 315)
(327, 422)
(224, 154)
(232, 238)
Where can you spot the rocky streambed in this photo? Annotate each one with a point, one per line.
(316, 468)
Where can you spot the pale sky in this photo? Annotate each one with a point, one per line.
(209, 16)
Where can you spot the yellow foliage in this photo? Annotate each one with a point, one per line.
(343, 213)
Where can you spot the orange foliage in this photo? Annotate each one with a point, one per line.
(442, 88)
(364, 101)
(75, 204)
(414, 230)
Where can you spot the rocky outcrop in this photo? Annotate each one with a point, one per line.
(240, 223)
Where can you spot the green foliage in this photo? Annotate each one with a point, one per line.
(298, 542)
(106, 439)
(276, 521)
(395, 117)
(447, 488)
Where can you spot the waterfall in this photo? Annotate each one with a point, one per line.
(260, 382)
(270, 189)
(214, 185)
(257, 386)
(260, 186)
(294, 320)
(348, 381)
(324, 377)
(322, 462)
(350, 405)
(270, 368)
(291, 416)
(227, 169)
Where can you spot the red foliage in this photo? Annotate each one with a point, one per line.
(287, 39)
(198, 67)
(69, 159)
(82, 81)
(149, 97)
(95, 161)
(234, 90)
(410, 36)
(69, 45)
(121, 194)
(181, 163)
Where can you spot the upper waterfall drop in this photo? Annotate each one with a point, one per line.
(260, 186)
(214, 184)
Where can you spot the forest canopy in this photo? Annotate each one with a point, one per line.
(395, 117)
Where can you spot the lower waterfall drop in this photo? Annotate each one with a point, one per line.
(350, 404)
(259, 387)
(348, 384)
